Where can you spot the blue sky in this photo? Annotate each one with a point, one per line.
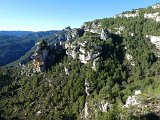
(41, 15)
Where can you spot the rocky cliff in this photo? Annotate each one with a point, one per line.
(40, 56)
(45, 55)
(108, 70)
(85, 48)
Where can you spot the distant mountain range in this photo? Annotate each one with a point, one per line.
(15, 33)
(14, 44)
(109, 69)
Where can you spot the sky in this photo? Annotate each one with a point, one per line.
(43, 15)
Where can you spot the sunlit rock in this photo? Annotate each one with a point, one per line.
(40, 56)
(130, 59)
(74, 34)
(153, 16)
(154, 40)
(156, 6)
(66, 71)
(86, 85)
(133, 100)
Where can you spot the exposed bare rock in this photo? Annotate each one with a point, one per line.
(86, 111)
(140, 104)
(71, 49)
(133, 100)
(120, 29)
(104, 34)
(78, 50)
(40, 56)
(74, 34)
(94, 63)
(104, 106)
(130, 59)
(67, 28)
(154, 40)
(86, 85)
(92, 27)
(128, 15)
(132, 34)
(156, 6)
(38, 113)
(44, 55)
(66, 71)
(153, 16)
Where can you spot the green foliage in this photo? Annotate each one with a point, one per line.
(54, 95)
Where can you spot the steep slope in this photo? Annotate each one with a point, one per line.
(110, 71)
(12, 48)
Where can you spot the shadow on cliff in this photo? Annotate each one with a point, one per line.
(114, 48)
(150, 116)
(58, 58)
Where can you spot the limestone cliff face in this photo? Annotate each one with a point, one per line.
(40, 56)
(84, 51)
(74, 34)
(104, 34)
(44, 55)
(155, 40)
(92, 27)
(153, 16)
(95, 27)
(156, 6)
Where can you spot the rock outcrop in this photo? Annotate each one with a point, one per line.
(154, 40)
(129, 15)
(129, 58)
(45, 55)
(153, 16)
(156, 6)
(85, 50)
(86, 85)
(66, 70)
(40, 56)
(131, 34)
(79, 50)
(133, 100)
(104, 34)
(74, 34)
(103, 105)
(92, 107)
(67, 28)
(92, 27)
(141, 104)
(119, 29)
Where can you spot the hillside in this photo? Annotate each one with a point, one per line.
(15, 33)
(108, 69)
(18, 45)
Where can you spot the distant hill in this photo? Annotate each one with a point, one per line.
(15, 33)
(14, 47)
(109, 69)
